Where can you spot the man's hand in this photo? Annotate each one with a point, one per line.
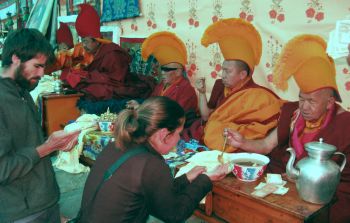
(200, 85)
(59, 140)
(194, 172)
(234, 138)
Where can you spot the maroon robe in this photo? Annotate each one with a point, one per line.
(108, 76)
(337, 134)
(182, 92)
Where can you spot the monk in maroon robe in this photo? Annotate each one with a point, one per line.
(107, 75)
(315, 116)
(171, 54)
(180, 91)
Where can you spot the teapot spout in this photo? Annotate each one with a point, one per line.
(291, 171)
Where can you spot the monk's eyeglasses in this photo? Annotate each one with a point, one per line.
(167, 69)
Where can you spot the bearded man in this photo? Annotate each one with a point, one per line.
(28, 188)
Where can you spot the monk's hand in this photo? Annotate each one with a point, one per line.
(194, 172)
(234, 138)
(219, 172)
(132, 104)
(200, 85)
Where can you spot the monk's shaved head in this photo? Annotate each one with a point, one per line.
(314, 105)
(327, 92)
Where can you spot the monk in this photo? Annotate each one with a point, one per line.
(315, 116)
(107, 75)
(171, 54)
(64, 37)
(236, 101)
(65, 45)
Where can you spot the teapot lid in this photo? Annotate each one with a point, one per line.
(320, 146)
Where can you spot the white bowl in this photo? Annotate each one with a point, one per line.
(243, 168)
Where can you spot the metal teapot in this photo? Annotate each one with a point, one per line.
(317, 176)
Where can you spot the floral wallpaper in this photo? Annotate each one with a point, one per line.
(277, 21)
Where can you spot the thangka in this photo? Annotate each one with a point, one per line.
(119, 9)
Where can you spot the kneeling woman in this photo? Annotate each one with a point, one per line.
(143, 184)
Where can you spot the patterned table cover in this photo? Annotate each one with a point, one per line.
(94, 142)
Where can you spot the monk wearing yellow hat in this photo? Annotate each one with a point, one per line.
(107, 75)
(315, 116)
(236, 101)
(171, 54)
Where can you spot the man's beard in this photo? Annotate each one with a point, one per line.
(21, 80)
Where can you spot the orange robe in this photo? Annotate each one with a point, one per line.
(251, 110)
(81, 58)
(76, 58)
(63, 60)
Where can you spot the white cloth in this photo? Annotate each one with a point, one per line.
(208, 159)
(69, 161)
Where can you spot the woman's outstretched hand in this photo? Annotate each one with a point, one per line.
(219, 172)
(194, 172)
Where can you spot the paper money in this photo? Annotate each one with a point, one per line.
(272, 178)
(265, 190)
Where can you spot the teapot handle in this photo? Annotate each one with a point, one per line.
(344, 161)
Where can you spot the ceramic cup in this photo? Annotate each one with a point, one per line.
(106, 126)
(249, 166)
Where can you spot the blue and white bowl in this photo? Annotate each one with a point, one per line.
(243, 169)
(106, 126)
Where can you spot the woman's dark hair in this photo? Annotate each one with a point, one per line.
(136, 126)
(26, 44)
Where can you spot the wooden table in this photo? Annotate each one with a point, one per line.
(58, 109)
(231, 201)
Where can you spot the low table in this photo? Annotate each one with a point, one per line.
(231, 201)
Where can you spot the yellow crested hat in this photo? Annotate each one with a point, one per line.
(166, 47)
(306, 59)
(237, 39)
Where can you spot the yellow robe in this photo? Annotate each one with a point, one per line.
(252, 111)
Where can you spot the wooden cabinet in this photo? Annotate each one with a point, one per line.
(58, 110)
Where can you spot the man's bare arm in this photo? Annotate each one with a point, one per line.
(262, 146)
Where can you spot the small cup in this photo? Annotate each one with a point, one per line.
(106, 126)
(57, 86)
